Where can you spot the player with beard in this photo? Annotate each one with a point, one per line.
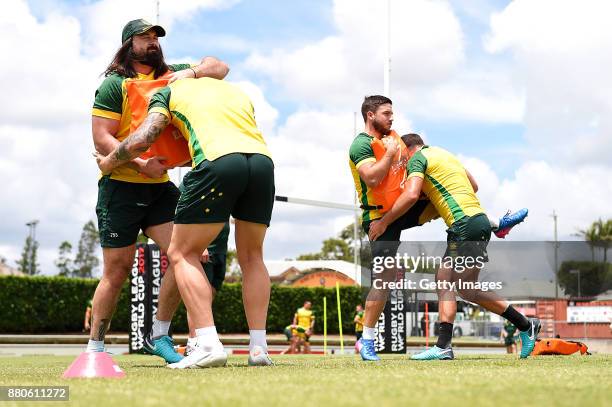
(139, 195)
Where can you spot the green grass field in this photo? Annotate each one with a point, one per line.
(316, 380)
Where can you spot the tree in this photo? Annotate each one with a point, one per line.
(594, 278)
(599, 235)
(337, 248)
(27, 264)
(64, 262)
(86, 259)
(142, 238)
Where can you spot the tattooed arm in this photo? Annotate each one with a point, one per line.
(136, 144)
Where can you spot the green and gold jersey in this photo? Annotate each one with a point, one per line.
(361, 153)
(445, 183)
(111, 103)
(304, 317)
(215, 117)
(359, 324)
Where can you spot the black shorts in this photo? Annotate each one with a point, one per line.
(126, 208)
(237, 184)
(388, 243)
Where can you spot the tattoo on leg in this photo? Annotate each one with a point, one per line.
(104, 325)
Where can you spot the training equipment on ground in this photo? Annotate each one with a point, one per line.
(94, 365)
(556, 346)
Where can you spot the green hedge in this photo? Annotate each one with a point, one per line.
(57, 305)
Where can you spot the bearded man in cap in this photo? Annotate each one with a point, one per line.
(139, 195)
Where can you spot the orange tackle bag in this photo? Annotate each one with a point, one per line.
(171, 143)
(390, 188)
(556, 346)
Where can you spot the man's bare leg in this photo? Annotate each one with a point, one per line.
(188, 243)
(255, 278)
(486, 299)
(117, 265)
(186, 247)
(255, 287)
(169, 296)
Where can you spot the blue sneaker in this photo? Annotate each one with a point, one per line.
(510, 220)
(528, 337)
(162, 347)
(367, 350)
(435, 353)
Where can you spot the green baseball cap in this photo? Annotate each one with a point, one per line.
(140, 26)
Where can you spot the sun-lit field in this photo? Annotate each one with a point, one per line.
(317, 380)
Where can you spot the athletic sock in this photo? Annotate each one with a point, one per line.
(446, 335)
(494, 225)
(191, 342)
(368, 333)
(258, 338)
(160, 328)
(519, 320)
(208, 338)
(95, 346)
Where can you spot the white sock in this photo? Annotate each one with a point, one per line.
(258, 338)
(207, 337)
(95, 346)
(494, 224)
(368, 333)
(160, 328)
(191, 342)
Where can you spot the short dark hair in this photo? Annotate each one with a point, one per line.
(371, 104)
(412, 139)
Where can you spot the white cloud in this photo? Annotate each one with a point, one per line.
(106, 18)
(561, 59)
(579, 197)
(430, 76)
(45, 130)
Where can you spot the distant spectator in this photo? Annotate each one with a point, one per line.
(87, 322)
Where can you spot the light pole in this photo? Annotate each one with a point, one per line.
(32, 225)
(556, 242)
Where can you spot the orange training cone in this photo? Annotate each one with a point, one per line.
(94, 364)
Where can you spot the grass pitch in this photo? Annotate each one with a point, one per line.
(341, 380)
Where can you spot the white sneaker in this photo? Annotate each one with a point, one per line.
(188, 349)
(258, 356)
(202, 357)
